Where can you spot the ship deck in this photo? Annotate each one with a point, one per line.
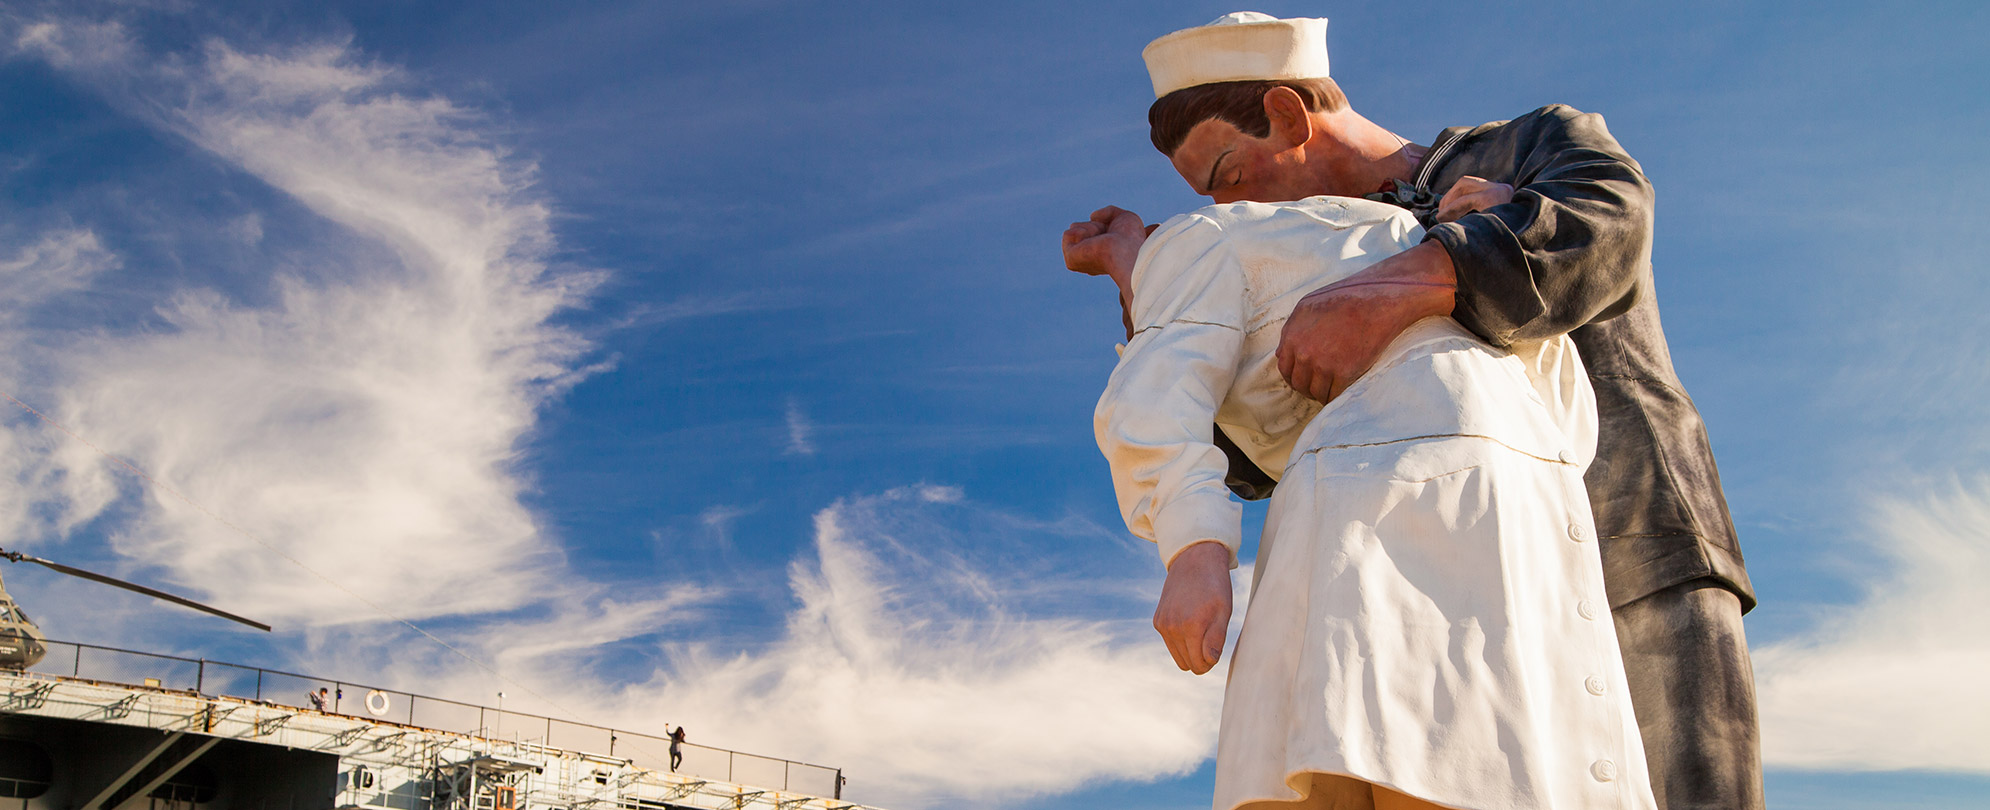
(146, 720)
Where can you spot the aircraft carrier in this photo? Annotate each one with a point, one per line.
(85, 727)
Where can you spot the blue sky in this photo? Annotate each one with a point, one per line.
(715, 364)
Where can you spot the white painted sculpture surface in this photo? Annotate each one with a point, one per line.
(1428, 612)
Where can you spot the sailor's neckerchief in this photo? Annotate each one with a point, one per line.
(1418, 197)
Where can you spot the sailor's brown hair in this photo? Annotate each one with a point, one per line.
(1239, 103)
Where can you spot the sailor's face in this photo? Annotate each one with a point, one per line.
(1226, 165)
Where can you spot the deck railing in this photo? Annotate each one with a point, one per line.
(218, 678)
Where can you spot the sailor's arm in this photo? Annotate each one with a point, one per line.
(1336, 332)
(1570, 247)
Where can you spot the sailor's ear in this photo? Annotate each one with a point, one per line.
(1290, 122)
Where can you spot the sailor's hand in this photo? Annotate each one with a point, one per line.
(1337, 332)
(1106, 245)
(1194, 612)
(1472, 194)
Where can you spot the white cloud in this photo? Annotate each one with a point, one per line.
(718, 521)
(931, 672)
(1889, 683)
(920, 658)
(705, 306)
(247, 228)
(928, 677)
(801, 434)
(59, 263)
(365, 421)
(932, 493)
(73, 44)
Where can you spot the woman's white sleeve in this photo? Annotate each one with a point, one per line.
(1156, 419)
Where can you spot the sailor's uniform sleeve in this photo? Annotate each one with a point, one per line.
(1155, 422)
(1573, 247)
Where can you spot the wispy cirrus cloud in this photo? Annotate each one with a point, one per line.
(1874, 684)
(706, 306)
(372, 408)
(801, 432)
(932, 672)
(718, 522)
(54, 265)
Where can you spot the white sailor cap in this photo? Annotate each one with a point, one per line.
(1241, 46)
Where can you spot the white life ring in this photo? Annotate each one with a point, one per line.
(377, 703)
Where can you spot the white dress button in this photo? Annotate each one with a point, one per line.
(1585, 609)
(1603, 770)
(1594, 685)
(1567, 458)
(1576, 533)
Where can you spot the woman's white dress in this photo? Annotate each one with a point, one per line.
(1427, 612)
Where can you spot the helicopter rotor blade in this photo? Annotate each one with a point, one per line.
(132, 586)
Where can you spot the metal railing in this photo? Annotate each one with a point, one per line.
(222, 679)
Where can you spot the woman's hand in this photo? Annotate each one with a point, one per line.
(1106, 245)
(1194, 612)
(1472, 194)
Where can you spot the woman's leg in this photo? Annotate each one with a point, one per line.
(1386, 799)
(1323, 791)
(1334, 792)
